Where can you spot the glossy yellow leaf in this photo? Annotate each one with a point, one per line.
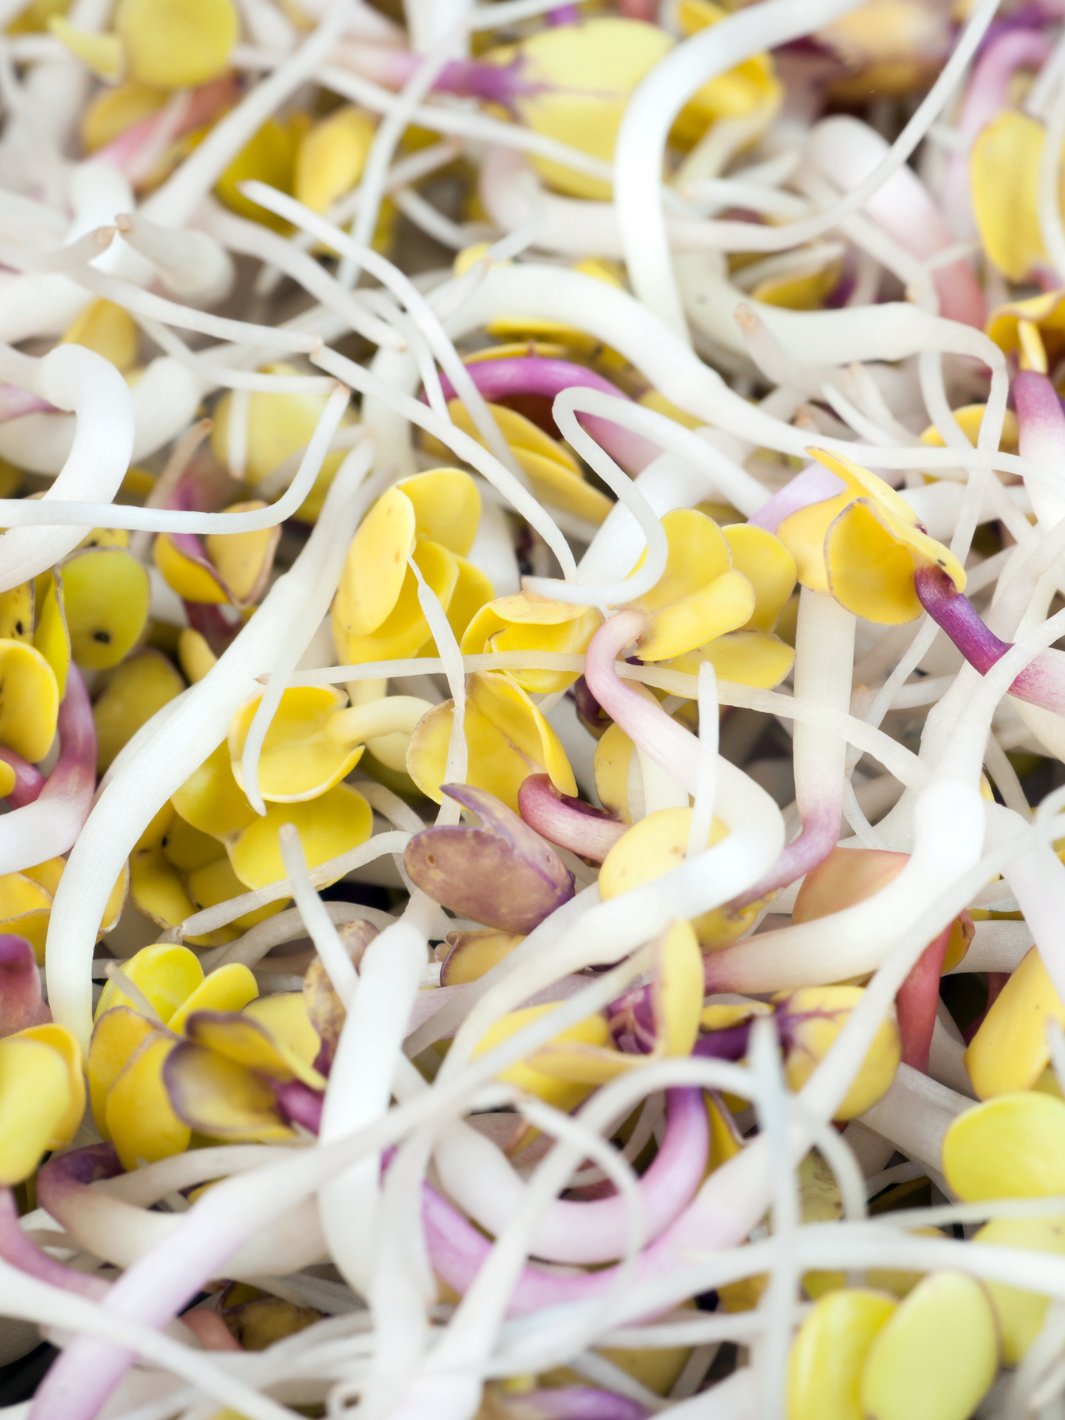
(447, 507)
(66, 1046)
(827, 1355)
(101, 53)
(970, 418)
(52, 638)
(138, 688)
(176, 45)
(936, 1355)
(678, 989)
(1009, 1051)
(816, 1016)
(376, 565)
(211, 799)
(269, 156)
(769, 567)
(803, 533)
(331, 157)
(579, 79)
(526, 622)
(334, 823)
(118, 1032)
(191, 580)
(221, 1099)
(159, 891)
(29, 701)
(25, 906)
(8, 779)
(166, 973)
(871, 557)
(139, 1116)
(244, 560)
(230, 988)
(283, 1015)
(404, 631)
(194, 655)
(736, 93)
(473, 590)
(299, 760)
(474, 953)
(755, 658)
(35, 1096)
(107, 329)
(1004, 173)
(251, 1044)
(1021, 1314)
(507, 736)
(16, 613)
(1010, 1147)
(559, 1092)
(106, 596)
(216, 882)
(114, 110)
(698, 596)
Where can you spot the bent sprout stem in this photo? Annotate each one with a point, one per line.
(1041, 683)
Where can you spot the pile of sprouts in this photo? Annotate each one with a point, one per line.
(532, 862)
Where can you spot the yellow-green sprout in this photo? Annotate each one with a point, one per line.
(507, 737)
(526, 622)
(829, 1352)
(1010, 1051)
(863, 546)
(42, 1097)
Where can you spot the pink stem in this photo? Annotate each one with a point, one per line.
(172, 121)
(210, 1330)
(917, 999)
(671, 746)
(74, 776)
(457, 1249)
(572, 1403)
(1042, 682)
(1040, 418)
(29, 781)
(812, 845)
(300, 1103)
(21, 1005)
(16, 1249)
(537, 375)
(15, 402)
(567, 821)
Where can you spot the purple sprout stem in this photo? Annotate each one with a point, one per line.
(300, 1104)
(15, 402)
(16, 1248)
(564, 15)
(567, 821)
(670, 745)
(457, 1249)
(540, 375)
(29, 781)
(21, 1005)
(1041, 683)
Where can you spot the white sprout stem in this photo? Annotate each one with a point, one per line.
(824, 658)
(69, 377)
(706, 764)
(404, 289)
(148, 779)
(316, 919)
(457, 762)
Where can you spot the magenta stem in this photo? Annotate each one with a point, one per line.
(29, 781)
(16, 1248)
(1040, 418)
(671, 746)
(544, 377)
(457, 1249)
(811, 845)
(21, 1005)
(574, 1403)
(300, 1103)
(1042, 682)
(567, 821)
